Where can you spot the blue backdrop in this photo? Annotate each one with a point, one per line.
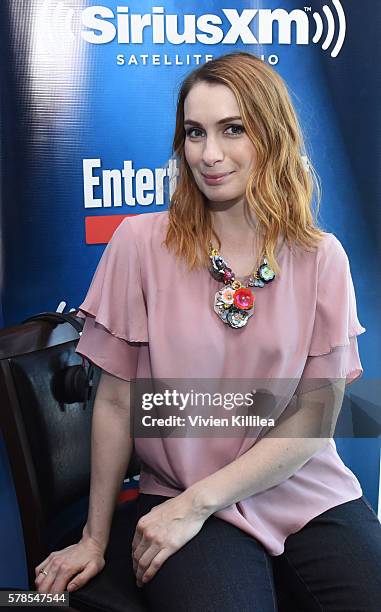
(87, 118)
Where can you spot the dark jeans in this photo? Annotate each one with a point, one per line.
(333, 564)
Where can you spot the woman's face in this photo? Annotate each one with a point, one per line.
(215, 148)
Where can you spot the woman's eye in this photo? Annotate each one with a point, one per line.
(241, 129)
(189, 132)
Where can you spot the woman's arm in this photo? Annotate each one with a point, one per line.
(277, 456)
(111, 449)
(273, 459)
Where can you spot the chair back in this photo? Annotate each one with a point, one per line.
(47, 392)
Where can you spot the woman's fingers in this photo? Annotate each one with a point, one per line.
(160, 533)
(42, 565)
(144, 559)
(83, 577)
(44, 581)
(68, 578)
(138, 535)
(137, 544)
(140, 549)
(155, 565)
(52, 562)
(74, 565)
(58, 574)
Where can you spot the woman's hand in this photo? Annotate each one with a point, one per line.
(82, 560)
(162, 531)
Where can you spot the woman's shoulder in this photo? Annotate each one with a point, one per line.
(327, 246)
(144, 224)
(143, 235)
(331, 247)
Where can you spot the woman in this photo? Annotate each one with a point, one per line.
(234, 283)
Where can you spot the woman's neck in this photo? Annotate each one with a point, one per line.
(235, 225)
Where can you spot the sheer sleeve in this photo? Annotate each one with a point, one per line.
(333, 352)
(115, 309)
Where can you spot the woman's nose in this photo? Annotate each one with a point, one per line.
(212, 152)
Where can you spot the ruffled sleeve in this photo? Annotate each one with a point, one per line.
(333, 352)
(115, 308)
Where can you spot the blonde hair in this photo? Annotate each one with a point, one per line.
(280, 187)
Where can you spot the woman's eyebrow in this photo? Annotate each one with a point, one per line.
(225, 120)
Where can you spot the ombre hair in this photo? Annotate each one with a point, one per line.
(281, 186)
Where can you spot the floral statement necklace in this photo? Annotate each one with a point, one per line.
(234, 303)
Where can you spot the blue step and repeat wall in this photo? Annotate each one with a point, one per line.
(88, 96)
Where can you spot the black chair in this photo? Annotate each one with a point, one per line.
(45, 417)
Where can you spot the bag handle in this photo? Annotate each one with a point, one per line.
(55, 317)
(78, 379)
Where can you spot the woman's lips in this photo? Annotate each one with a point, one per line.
(215, 180)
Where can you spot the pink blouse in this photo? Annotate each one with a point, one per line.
(148, 316)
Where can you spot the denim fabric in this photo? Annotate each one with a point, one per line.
(332, 564)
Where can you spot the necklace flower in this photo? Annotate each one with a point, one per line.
(234, 303)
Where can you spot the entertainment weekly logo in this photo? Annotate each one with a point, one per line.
(100, 25)
(127, 190)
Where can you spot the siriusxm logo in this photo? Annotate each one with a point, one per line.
(101, 25)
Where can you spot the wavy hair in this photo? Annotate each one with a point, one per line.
(281, 186)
